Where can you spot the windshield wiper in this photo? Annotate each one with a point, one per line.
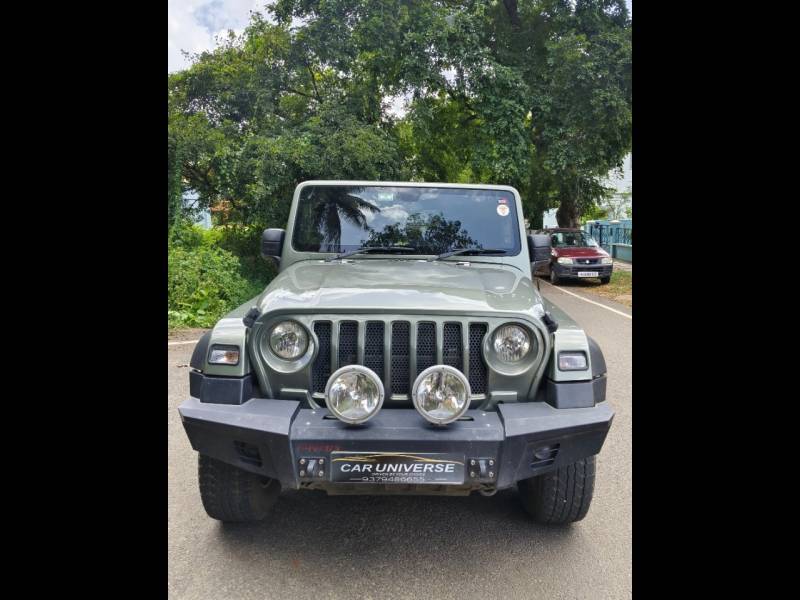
(370, 249)
(467, 251)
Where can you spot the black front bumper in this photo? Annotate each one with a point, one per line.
(278, 439)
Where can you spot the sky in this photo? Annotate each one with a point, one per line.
(622, 181)
(194, 25)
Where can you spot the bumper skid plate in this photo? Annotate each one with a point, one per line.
(397, 448)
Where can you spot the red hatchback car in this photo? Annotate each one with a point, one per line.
(575, 255)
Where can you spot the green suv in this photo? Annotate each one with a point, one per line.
(403, 348)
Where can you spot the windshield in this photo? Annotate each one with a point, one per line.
(431, 220)
(572, 239)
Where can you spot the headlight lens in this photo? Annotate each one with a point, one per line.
(288, 340)
(511, 343)
(441, 394)
(606, 260)
(354, 394)
(564, 260)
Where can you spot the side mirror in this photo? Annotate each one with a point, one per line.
(272, 244)
(539, 251)
(539, 248)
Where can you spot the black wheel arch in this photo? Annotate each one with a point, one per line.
(597, 358)
(200, 352)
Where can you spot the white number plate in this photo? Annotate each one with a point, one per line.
(588, 274)
(398, 467)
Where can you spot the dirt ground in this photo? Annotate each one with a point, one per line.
(181, 335)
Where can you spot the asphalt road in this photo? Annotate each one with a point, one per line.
(315, 546)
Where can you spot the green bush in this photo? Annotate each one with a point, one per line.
(245, 242)
(206, 280)
(204, 284)
(186, 235)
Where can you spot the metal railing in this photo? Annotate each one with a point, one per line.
(605, 235)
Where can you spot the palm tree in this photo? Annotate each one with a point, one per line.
(330, 206)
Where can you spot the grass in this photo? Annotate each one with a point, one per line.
(619, 289)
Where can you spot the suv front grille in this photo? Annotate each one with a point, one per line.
(412, 347)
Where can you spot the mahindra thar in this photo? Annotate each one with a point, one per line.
(403, 348)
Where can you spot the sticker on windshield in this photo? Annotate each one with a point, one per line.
(503, 210)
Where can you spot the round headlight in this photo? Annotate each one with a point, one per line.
(511, 343)
(354, 394)
(441, 394)
(288, 340)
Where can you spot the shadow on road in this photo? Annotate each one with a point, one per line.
(332, 535)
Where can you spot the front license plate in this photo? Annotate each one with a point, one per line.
(588, 274)
(397, 467)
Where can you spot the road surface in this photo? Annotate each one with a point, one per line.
(314, 546)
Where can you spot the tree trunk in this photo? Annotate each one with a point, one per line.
(513, 13)
(568, 214)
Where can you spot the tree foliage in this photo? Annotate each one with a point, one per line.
(204, 281)
(535, 94)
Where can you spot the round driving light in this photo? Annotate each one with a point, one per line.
(354, 394)
(511, 343)
(288, 340)
(441, 394)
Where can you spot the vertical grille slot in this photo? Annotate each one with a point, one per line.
(426, 346)
(321, 369)
(373, 347)
(452, 352)
(400, 357)
(477, 370)
(348, 343)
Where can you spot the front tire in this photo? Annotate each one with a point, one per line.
(605, 279)
(233, 495)
(554, 278)
(561, 496)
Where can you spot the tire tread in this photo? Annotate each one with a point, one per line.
(233, 495)
(561, 496)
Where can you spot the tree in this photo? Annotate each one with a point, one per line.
(532, 93)
(261, 113)
(431, 234)
(580, 77)
(535, 94)
(325, 209)
(594, 213)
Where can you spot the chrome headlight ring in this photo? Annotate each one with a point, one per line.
(288, 340)
(276, 362)
(530, 359)
(354, 394)
(443, 399)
